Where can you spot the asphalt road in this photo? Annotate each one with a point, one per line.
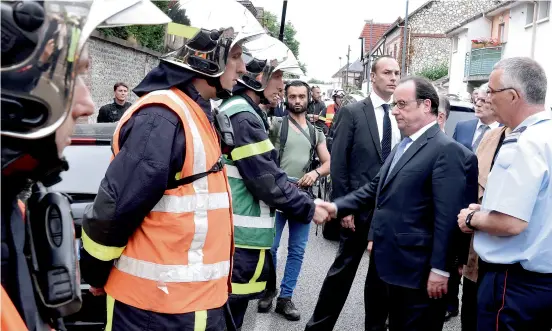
(319, 256)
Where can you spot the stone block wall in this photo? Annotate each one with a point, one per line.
(440, 16)
(114, 60)
(428, 44)
(429, 52)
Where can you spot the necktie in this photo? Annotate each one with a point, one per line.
(482, 129)
(398, 154)
(386, 137)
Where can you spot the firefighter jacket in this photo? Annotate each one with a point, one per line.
(259, 187)
(170, 244)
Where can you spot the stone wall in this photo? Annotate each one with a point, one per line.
(429, 52)
(439, 16)
(428, 44)
(115, 60)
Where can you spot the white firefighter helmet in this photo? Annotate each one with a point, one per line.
(271, 52)
(203, 33)
(42, 43)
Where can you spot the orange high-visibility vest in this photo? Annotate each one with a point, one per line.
(330, 113)
(9, 316)
(179, 259)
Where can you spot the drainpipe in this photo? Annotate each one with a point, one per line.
(404, 53)
(534, 37)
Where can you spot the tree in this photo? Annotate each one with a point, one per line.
(272, 24)
(150, 36)
(315, 81)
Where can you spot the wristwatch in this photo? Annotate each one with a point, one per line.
(468, 220)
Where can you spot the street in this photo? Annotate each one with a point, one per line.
(319, 256)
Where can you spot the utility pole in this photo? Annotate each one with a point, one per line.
(283, 22)
(369, 62)
(403, 62)
(347, 69)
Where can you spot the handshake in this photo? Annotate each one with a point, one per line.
(324, 211)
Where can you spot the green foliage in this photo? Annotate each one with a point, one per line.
(434, 72)
(315, 81)
(150, 36)
(272, 24)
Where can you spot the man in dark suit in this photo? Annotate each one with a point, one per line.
(365, 133)
(415, 195)
(469, 133)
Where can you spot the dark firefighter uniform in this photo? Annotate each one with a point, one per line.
(161, 249)
(258, 187)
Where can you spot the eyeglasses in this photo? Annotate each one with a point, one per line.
(490, 90)
(402, 103)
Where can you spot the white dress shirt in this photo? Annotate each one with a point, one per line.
(414, 137)
(419, 133)
(377, 102)
(493, 125)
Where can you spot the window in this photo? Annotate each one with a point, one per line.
(501, 36)
(543, 11)
(454, 44)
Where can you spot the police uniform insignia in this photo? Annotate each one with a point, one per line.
(514, 135)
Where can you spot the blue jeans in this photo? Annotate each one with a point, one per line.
(298, 237)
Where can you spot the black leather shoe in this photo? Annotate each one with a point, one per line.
(451, 314)
(285, 307)
(265, 303)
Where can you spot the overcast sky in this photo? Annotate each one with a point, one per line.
(325, 28)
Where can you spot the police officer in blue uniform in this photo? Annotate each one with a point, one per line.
(513, 226)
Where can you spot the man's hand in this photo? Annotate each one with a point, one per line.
(370, 245)
(321, 215)
(460, 270)
(308, 179)
(462, 220)
(348, 222)
(464, 214)
(436, 285)
(328, 206)
(96, 291)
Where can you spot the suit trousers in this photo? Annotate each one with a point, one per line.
(339, 279)
(409, 309)
(468, 316)
(452, 292)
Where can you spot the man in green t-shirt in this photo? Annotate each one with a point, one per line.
(301, 142)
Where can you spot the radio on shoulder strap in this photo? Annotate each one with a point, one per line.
(52, 252)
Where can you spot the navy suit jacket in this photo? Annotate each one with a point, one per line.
(414, 225)
(464, 132)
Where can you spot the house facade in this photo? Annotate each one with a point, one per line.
(508, 31)
(427, 44)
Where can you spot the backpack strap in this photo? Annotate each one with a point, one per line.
(284, 128)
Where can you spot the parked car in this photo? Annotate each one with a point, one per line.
(459, 111)
(88, 155)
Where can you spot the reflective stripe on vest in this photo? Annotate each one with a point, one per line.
(253, 221)
(179, 257)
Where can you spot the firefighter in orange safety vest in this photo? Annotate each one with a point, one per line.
(330, 112)
(159, 237)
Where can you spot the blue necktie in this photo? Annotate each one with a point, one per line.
(386, 136)
(398, 154)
